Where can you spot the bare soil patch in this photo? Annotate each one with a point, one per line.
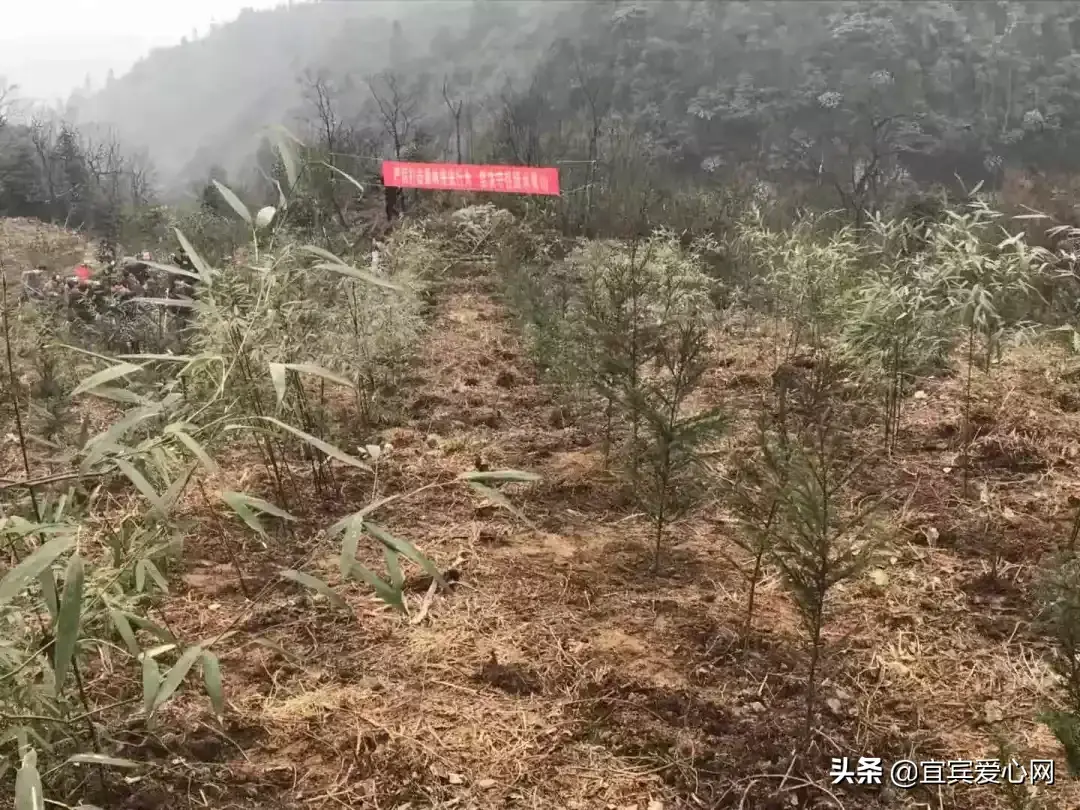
(29, 243)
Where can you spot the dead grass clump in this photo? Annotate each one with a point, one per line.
(26, 244)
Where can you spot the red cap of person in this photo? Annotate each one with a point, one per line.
(83, 272)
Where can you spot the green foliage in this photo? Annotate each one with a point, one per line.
(989, 273)
(819, 531)
(667, 477)
(52, 171)
(802, 276)
(897, 325)
(855, 104)
(628, 324)
(988, 290)
(263, 353)
(1060, 618)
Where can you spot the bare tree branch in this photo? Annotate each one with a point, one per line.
(455, 112)
(397, 108)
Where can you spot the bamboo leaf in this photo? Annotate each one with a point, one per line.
(360, 275)
(173, 303)
(174, 271)
(346, 175)
(101, 759)
(211, 668)
(317, 585)
(264, 216)
(176, 676)
(114, 394)
(124, 424)
(149, 626)
(499, 475)
(406, 549)
(176, 488)
(247, 515)
(393, 568)
(496, 498)
(234, 202)
(32, 565)
(68, 620)
(197, 260)
(196, 449)
(106, 375)
(29, 794)
(349, 546)
(319, 371)
(141, 484)
(322, 253)
(288, 154)
(234, 498)
(49, 593)
(151, 682)
(155, 574)
(387, 593)
(123, 628)
(325, 447)
(160, 649)
(163, 358)
(279, 377)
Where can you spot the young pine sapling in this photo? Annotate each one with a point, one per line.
(755, 496)
(618, 323)
(1061, 620)
(666, 456)
(821, 537)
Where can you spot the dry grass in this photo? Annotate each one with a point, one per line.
(557, 673)
(28, 243)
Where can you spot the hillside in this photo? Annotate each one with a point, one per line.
(915, 92)
(204, 103)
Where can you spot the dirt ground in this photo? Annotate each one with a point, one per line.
(28, 243)
(558, 672)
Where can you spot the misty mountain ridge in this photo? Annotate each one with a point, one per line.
(204, 103)
(921, 91)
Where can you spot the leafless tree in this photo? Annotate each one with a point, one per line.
(455, 108)
(43, 138)
(322, 97)
(7, 99)
(397, 108)
(109, 178)
(141, 178)
(519, 123)
(597, 96)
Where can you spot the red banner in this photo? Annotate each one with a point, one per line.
(466, 177)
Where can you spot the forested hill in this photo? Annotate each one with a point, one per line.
(204, 102)
(854, 94)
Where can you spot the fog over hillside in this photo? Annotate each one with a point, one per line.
(984, 83)
(51, 48)
(203, 103)
(857, 99)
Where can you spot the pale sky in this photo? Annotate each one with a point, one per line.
(48, 46)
